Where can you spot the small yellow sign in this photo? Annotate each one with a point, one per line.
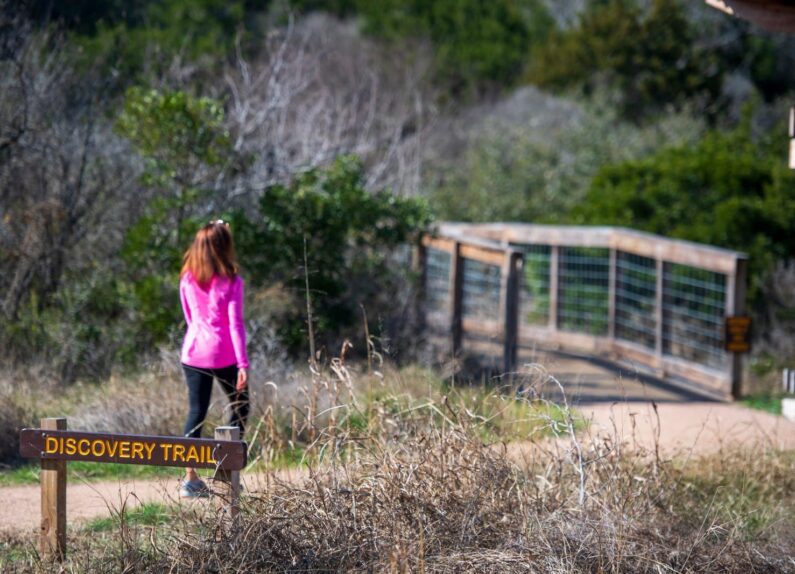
(738, 334)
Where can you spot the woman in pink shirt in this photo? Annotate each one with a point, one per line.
(215, 343)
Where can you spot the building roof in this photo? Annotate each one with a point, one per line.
(776, 15)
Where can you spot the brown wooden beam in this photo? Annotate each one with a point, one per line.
(52, 535)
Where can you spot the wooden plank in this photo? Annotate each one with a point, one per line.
(61, 445)
(228, 480)
(707, 257)
(440, 243)
(704, 379)
(484, 255)
(52, 534)
(675, 250)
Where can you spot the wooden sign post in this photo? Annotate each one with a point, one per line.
(54, 445)
(229, 479)
(52, 534)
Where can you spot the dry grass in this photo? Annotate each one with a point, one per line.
(419, 481)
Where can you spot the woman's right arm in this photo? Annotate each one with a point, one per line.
(183, 297)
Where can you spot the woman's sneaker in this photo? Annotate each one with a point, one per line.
(193, 489)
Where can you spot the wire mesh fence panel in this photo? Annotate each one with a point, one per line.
(481, 290)
(636, 285)
(694, 305)
(437, 281)
(583, 289)
(534, 292)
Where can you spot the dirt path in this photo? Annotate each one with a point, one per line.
(19, 511)
(693, 427)
(684, 428)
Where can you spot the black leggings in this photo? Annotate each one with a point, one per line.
(200, 388)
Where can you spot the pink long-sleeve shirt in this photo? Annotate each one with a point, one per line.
(216, 335)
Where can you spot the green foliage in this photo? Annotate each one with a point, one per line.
(147, 514)
(85, 471)
(525, 173)
(475, 41)
(176, 133)
(649, 55)
(349, 235)
(765, 401)
(728, 190)
(148, 35)
(182, 140)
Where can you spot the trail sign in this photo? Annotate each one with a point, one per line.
(738, 334)
(54, 445)
(133, 449)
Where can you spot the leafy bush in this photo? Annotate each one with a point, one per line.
(728, 190)
(528, 172)
(349, 236)
(651, 56)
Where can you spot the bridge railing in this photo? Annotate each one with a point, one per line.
(631, 296)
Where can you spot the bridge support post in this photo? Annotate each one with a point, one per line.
(554, 273)
(456, 297)
(511, 270)
(736, 285)
(659, 316)
(611, 301)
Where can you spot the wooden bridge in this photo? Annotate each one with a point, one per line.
(624, 296)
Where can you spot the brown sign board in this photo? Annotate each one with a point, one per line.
(133, 449)
(738, 334)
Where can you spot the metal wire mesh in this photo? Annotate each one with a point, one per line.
(583, 285)
(534, 292)
(481, 290)
(636, 286)
(694, 305)
(437, 280)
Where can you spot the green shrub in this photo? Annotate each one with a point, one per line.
(350, 238)
(650, 55)
(728, 190)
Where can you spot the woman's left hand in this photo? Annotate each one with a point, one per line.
(242, 379)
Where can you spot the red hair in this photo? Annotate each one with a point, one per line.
(212, 253)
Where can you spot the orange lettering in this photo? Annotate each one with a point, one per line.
(51, 445)
(112, 446)
(124, 449)
(179, 451)
(137, 450)
(80, 443)
(192, 455)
